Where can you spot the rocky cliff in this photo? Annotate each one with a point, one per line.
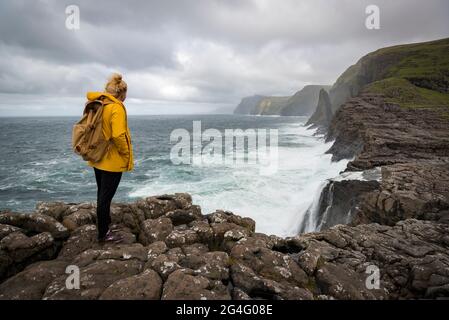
(408, 146)
(172, 251)
(394, 129)
(248, 104)
(410, 149)
(302, 103)
(322, 116)
(270, 106)
(391, 114)
(411, 74)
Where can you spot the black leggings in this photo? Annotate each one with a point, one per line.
(107, 183)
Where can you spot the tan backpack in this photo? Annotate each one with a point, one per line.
(87, 135)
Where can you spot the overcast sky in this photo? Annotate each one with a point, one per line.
(192, 56)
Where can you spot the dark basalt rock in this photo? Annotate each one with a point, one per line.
(220, 256)
(35, 223)
(377, 133)
(408, 190)
(410, 147)
(322, 116)
(338, 204)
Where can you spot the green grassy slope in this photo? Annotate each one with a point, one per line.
(404, 93)
(412, 75)
(419, 77)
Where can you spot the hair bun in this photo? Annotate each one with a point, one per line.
(116, 77)
(116, 86)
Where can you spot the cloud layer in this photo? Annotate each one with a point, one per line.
(192, 56)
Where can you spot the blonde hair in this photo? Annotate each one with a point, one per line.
(116, 86)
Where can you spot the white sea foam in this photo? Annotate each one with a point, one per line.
(367, 175)
(277, 202)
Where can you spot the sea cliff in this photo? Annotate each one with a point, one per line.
(393, 123)
(302, 103)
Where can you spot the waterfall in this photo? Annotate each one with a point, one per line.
(329, 202)
(325, 212)
(310, 221)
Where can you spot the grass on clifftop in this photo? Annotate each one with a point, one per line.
(427, 60)
(421, 66)
(404, 93)
(412, 75)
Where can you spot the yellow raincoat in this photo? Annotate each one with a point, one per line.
(119, 157)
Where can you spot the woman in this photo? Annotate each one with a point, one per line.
(118, 158)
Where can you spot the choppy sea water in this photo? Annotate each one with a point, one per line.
(37, 164)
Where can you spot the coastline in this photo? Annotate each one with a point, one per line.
(398, 224)
(394, 219)
(381, 226)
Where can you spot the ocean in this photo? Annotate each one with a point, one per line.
(37, 164)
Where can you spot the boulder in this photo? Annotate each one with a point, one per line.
(270, 264)
(184, 216)
(256, 287)
(164, 264)
(99, 269)
(80, 240)
(144, 286)
(204, 231)
(182, 284)
(30, 284)
(127, 215)
(35, 223)
(215, 266)
(18, 250)
(155, 249)
(7, 229)
(20, 247)
(152, 230)
(220, 216)
(79, 218)
(156, 206)
(55, 210)
(181, 238)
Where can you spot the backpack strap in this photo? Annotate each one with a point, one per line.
(93, 109)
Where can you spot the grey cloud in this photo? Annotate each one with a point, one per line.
(208, 52)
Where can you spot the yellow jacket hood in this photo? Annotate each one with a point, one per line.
(94, 95)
